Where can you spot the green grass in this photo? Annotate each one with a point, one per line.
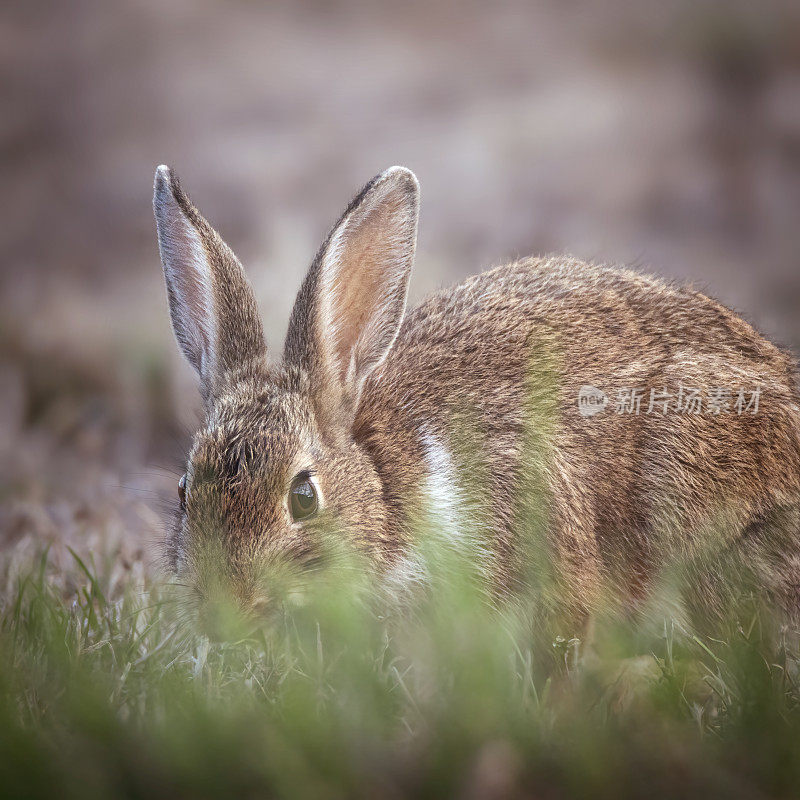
(105, 694)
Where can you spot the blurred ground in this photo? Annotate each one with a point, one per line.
(665, 135)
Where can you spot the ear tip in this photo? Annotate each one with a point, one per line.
(167, 190)
(162, 184)
(163, 176)
(402, 176)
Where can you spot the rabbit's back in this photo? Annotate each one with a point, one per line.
(480, 371)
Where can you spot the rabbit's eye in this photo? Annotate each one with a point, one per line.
(182, 490)
(302, 498)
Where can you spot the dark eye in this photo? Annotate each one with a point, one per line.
(182, 490)
(302, 498)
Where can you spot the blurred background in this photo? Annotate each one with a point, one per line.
(662, 135)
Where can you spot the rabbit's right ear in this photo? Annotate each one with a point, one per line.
(211, 302)
(350, 307)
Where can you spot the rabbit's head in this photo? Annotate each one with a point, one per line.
(275, 461)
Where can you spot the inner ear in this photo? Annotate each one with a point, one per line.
(350, 308)
(211, 302)
(187, 272)
(366, 271)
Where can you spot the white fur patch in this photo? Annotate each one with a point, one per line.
(457, 518)
(444, 498)
(405, 574)
(449, 516)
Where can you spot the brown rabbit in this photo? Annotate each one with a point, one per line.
(669, 416)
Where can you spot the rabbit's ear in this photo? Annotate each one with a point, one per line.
(211, 302)
(351, 305)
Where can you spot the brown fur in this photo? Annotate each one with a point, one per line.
(359, 407)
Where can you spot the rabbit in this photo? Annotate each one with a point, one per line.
(356, 423)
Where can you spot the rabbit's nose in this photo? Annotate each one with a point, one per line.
(220, 621)
(262, 607)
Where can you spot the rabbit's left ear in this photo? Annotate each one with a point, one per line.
(211, 302)
(350, 307)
